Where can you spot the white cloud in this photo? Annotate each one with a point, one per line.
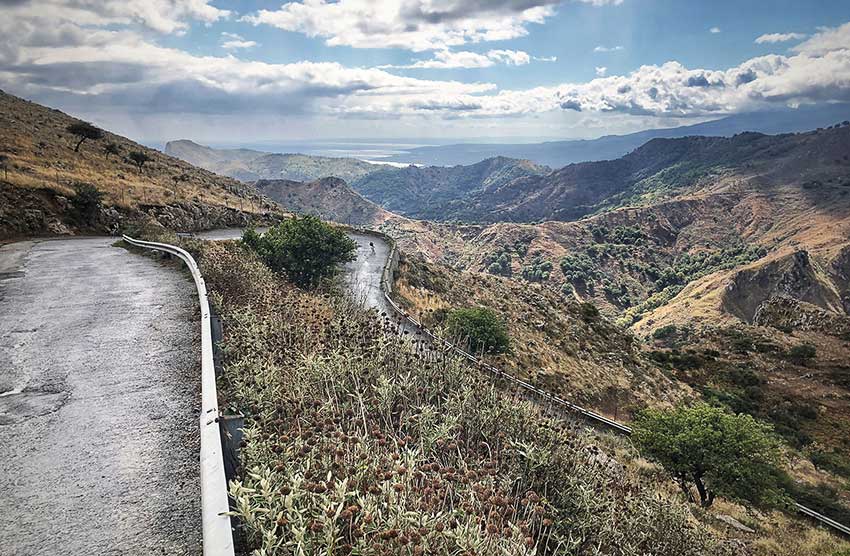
(236, 42)
(121, 69)
(601, 71)
(714, 30)
(602, 48)
(446, 59)
(416, 25)
(164, 16)
(779, 37)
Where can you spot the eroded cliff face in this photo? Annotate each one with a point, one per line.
(796, 276)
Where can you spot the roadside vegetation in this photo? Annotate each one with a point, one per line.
(479, 330)
(303, 248)
(360, 441)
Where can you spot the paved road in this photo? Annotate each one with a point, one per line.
(362, 276)
(99, 393)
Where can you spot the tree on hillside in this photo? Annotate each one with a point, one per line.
(4, 163)
(717, 452)
(138, 158)
(480, 329)
(84, 131)
(303, 248)
(178, 179)
(111, 148)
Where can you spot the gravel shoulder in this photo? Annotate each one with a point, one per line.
(99, 396)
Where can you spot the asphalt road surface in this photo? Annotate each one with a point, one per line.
(362, 276)
(99, 397)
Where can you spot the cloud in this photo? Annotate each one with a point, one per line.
(416, 25)
(602, 48)
(122, 69)
(446, 59)
(164, 16)
(236, 42)
(601, 71)
(714, 30)
(770, 38)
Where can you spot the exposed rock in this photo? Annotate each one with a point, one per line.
(734, 523)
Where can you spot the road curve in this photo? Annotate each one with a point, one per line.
(99, 393)
(361, 276)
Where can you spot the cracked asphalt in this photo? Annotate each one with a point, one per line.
(99, 397)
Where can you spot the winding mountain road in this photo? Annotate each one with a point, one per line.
(99, 396)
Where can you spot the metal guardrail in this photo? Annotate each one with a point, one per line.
(387, 279)
(217, 532)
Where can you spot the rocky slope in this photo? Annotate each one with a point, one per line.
(42, 174)
(328, 198)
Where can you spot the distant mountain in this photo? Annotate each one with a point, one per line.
(658, 169)
(327, 198)
(423, 192)
(249, 165)
(560, 153)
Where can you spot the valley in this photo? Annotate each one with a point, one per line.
(696, 269)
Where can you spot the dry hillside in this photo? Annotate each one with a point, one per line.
(42, 170)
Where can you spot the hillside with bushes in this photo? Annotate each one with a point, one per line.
(44, 165)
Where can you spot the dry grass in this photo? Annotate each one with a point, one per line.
(41, 155)
(359, 441)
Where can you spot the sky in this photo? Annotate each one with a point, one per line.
(221, 71)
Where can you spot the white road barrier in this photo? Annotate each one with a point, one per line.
(217, 532)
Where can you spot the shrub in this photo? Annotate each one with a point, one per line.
(480, 329)
(87, 201)
(579, 268)
(537, 271)
(664, 332)
(304, 249)
(803, 353)
(720, 453)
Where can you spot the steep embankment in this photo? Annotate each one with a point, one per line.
(42, 172)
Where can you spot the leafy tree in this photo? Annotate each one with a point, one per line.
(720, 453)
(303, 248)
(87, 201)
(480, 329)
(111, 148)
(138, 158)
(84, 131)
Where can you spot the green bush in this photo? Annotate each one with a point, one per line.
(537, 271)
(720, 453)
(87, 202)
(668, 331)
(303, 248)
(480, 329)
(802, 353)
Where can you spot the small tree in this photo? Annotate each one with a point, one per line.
(84, 131)
(303, 248)
(138, 158)
(4, 163)
(718, 452)
(87, 201)
(111, 148)
(177, 179)
(480, 329)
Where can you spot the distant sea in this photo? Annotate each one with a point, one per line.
(367, 151)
